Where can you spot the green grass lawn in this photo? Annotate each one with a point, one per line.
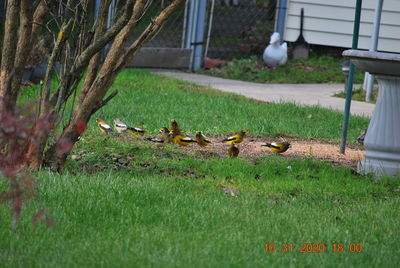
(156, 100)
(316, 69)
(163, 207)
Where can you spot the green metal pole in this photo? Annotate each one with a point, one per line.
(349, 86)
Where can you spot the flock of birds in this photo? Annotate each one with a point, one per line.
(174, 135)
(275, 54)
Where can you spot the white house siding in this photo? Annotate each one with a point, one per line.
(330, 23)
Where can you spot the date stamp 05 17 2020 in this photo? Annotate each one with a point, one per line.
(313, 247)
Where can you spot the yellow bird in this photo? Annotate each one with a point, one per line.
(103, 125)
(201, 139)
(166, 135)
(182, 140)
(236, 139)
(60, 35)
(136, 131)
(278, 147)
(233, 151)
(176, 136)
(120, 126)
(175, 130)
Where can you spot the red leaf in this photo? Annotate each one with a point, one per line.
(81, 126)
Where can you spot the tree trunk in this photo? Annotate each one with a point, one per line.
(10, 41)
(42, 129)
(38, 18)
(23, 46)
(28, 34)
(16, 49)
(17, 44)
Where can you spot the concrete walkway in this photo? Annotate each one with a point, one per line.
(302, 94)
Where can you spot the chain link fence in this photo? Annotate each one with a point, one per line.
(171, 34)
(240, 28)
(234, 28)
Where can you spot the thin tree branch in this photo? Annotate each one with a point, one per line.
(105, 101)
(101, 26)
(118, 45)
(53, 15)
(151, 30)
(52, 61)
(96, 46)
(61, 91)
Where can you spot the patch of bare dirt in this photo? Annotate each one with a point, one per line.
(251, 147)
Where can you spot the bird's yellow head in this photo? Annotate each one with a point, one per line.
(164, 130)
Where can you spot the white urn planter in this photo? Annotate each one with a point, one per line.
(382, 141)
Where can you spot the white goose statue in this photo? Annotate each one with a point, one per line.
(275, 54)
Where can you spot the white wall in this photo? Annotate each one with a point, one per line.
(330, 23)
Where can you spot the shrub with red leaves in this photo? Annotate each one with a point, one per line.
(16, 134)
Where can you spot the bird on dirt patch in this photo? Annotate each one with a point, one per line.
(120, 126)
(361, 138)
(275, 54)
(233, 151)
(166, 135)
(201, 139)
(175, 130)
(103, 126)
(136, 131)
(182, 140)
(278, 147)
(236, 139)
